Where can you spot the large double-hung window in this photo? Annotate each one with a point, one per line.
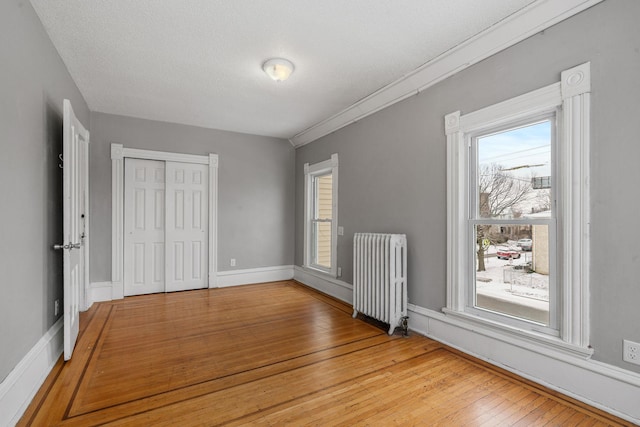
(321, 211)
(512, 224)
(518, 214)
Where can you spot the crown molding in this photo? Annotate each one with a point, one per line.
(534, 18)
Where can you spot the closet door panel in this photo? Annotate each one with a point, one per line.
(144, 227)
(186, 226)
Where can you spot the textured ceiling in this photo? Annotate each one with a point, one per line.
(198, 62)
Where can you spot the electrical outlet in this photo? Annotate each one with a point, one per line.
(233, 262)
(631, 352)
(56, 307)
(339, 271)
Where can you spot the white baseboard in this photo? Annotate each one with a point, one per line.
(323, 283)
(598, 384)
(21, 385)
(108, 291)
(100, 291)
(254, 275)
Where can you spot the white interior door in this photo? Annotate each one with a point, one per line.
(75, 147)
(187, 226)
(144, 227)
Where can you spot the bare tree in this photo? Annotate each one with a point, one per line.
(499, 192)
(504, 190)
(543, 201)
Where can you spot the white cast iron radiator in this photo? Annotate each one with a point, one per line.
(380, 277)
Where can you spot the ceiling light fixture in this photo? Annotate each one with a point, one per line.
(279, 69)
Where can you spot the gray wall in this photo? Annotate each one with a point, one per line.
(255, 188)
(33, 83)
(393, 171)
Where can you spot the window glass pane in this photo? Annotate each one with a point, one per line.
(514, 172)
(512, 270)
(323, 187)
(322, 244)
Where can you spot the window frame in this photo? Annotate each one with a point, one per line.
(569, 99)
(312, 171)
(475, 219)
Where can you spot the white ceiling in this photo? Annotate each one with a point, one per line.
(198, 62)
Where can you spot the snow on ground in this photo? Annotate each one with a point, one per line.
(529, 285)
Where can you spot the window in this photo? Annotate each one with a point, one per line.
(321, 208)
(517, 257)
(511, 278)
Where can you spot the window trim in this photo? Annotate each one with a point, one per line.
(571, 99)
(311, 171)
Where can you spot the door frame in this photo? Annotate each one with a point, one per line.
(118, 154)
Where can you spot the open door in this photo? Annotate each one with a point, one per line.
(75, 146)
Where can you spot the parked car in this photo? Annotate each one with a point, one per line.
(525, 244)
(507, 253)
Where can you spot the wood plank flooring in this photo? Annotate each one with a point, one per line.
(277, 354)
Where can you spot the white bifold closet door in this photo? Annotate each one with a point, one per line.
(144, 212)
(166, 226)
(186, 231)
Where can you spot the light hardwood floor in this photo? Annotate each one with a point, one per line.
(277, 354)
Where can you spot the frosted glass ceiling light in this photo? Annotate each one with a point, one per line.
(279, 69)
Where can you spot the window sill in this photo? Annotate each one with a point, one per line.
(319, 272)
(529, 340)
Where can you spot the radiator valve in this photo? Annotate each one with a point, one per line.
(405, 326)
